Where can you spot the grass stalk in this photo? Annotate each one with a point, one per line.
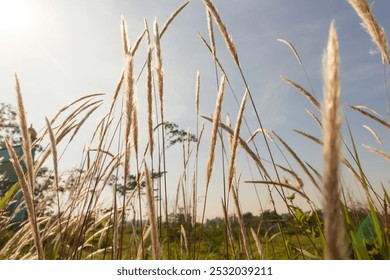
(152, 215)
(160, 86)
(53, 144)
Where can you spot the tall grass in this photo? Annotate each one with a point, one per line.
(333, 226)
(113, 206)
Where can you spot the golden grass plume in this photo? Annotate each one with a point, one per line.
(377, 33)
(222, 27)
(214, 133)
(331, 150)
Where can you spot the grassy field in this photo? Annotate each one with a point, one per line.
(70, 217)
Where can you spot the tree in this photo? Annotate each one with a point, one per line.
(131, 182)
(9, 127)
(175, 135)
(248, 219)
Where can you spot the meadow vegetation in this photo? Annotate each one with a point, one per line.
(115, 203)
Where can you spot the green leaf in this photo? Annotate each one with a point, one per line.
(9, 195)
(291, 197)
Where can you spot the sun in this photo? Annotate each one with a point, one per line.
(14, 15)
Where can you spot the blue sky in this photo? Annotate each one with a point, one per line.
(62, 50)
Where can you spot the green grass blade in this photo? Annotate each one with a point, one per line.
(387, 197)
(357, 160)
(10, 193)
(376, 223)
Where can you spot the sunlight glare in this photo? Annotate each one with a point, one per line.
(14, 15)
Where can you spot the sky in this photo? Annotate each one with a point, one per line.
(62, 50)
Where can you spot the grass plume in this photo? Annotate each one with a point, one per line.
(28, 198)
(372, 27)
(331, 150)
(213, 138)
(222, 27)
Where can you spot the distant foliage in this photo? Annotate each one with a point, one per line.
(132, 182)
(177, 135)
(9, 126)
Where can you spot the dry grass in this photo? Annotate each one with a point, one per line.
(379, 152)
(371, 116)
(149, 92)
(213, 138)
(235, 141)
(331, 150)
(257, 131)
(159, 68)
(26, 140)
(292, 49)
(374, 134)
(28, 198)
(197, 92)
(222, 27)
(152, 216)
(112, 162)
(298, 160)
(369, 23)
(259, 247)
(211, 34)
(172, 18)
(305, 93)
(27, 182)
